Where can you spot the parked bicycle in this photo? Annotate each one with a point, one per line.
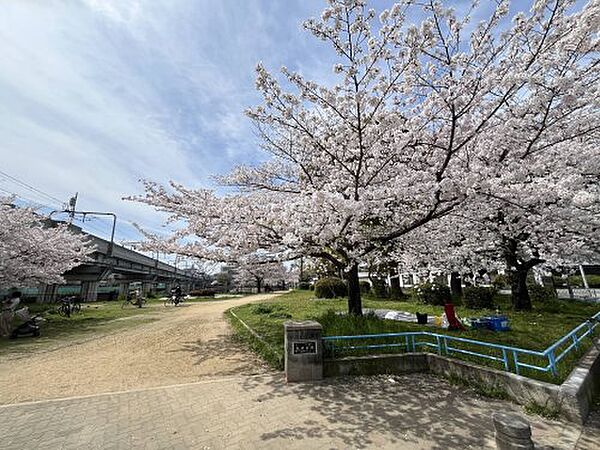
(133, 299)
(68, 306)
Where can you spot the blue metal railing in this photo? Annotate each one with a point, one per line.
(449, 345)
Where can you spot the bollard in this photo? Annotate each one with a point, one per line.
(513, 432)
(303, 351)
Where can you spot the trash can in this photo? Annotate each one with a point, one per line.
(422, 318)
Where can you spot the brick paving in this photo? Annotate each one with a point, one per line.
(403, 412)
(590, 436)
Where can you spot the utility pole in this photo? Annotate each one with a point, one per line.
(71, 207)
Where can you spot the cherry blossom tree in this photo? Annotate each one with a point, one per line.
(545, 214)
(400, 141)
(261, 275)
(32, 252)
(539, 201)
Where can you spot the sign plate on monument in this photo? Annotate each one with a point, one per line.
(304, 348)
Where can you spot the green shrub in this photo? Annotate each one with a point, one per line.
(477, 297)
(202, 293)
(501, 281)
(304, 285)
(365, 287)
(541, 294)
(432, 293)
(330, 287)
(379, 288)
(544, 298)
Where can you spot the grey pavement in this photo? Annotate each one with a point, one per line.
(400, 412)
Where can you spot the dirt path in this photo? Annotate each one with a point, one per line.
(188, 345)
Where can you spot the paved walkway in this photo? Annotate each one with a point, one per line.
(590, 437)
(405, 412)
(182, 382)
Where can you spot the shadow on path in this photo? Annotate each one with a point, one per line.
(371, 411)
(225, 355)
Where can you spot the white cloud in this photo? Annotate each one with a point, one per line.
(96, 94)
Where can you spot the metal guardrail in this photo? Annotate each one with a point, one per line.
(448, 345)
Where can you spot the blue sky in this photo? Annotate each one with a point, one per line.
(97, 94)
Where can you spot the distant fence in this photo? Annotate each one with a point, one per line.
(512, 358)
(579, 293)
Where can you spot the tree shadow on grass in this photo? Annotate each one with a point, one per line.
(234, 358)
(399, 411)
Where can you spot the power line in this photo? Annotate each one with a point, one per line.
(50, 202)
(27, 186)
(28, 201)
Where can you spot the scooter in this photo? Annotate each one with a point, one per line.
(30, 327)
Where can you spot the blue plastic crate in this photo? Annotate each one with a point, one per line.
(498, 323)
(494, 323)
(480, 324)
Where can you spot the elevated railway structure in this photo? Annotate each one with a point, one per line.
(119, 265)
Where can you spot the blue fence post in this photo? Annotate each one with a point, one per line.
(414, 346)
(516, 360)
(445, 344)
(439, 345)
(505, 358)
(552, 362)
(406, 341)
(575, 341)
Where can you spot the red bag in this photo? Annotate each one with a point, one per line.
(454, 323)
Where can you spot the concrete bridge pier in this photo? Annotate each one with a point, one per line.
(147, 287)
(47, 293)
(89, 291)
(123, 289)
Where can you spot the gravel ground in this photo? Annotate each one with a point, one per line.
(191, 344)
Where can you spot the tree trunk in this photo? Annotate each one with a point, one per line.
(258, 285)
(395, 288)
(456, 284)
(354, 300)
(518, 271)
(520, 296)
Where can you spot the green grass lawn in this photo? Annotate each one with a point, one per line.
(534, 330)
(94, 316)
